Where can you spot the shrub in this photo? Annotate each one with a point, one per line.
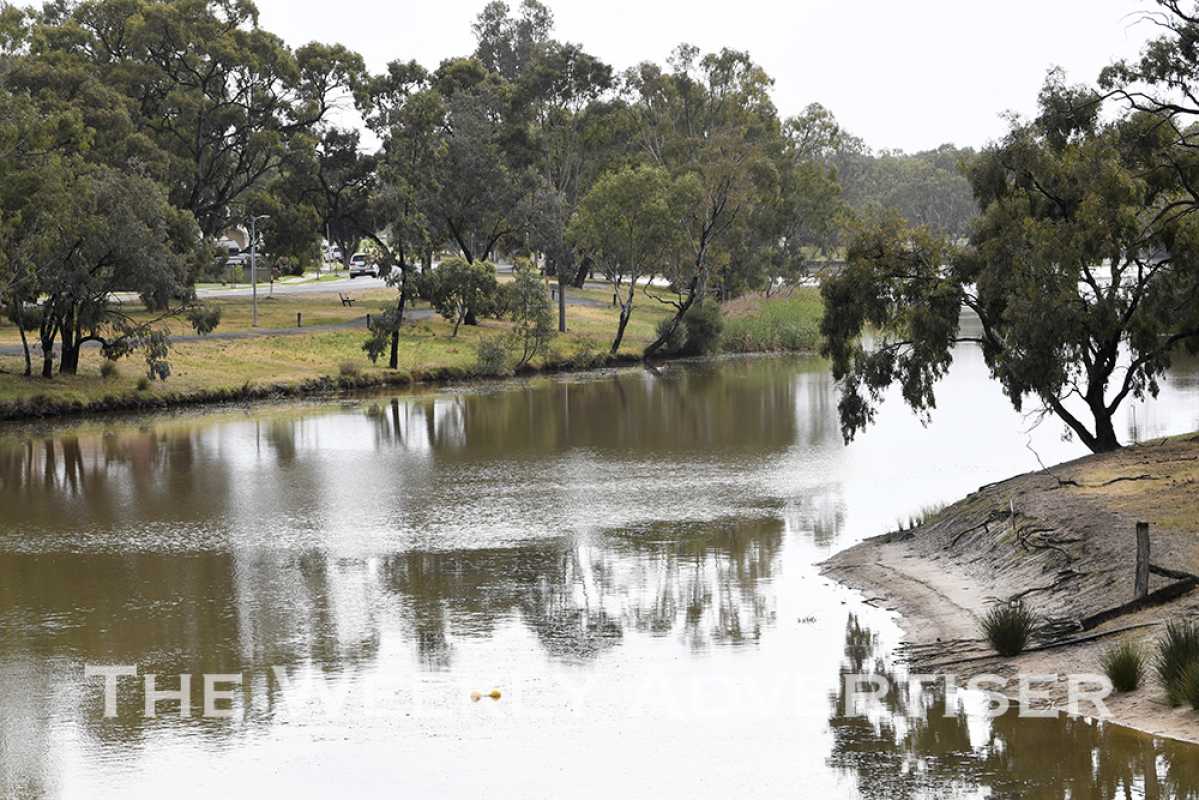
(457, 289)
(491, 356)
(1124, 665)
(348, 369)
(1177, 654)
(786, 323)
(109, 370)
(704, 324)
(674, 344)
(1008, 627)
(528, 307)
(143, 383)
(587, 356)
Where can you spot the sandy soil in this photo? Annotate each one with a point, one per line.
(1064, 540)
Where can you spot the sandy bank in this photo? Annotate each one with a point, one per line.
(1062, 539)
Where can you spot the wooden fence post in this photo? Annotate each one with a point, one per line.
(1142, 582)
(299, 319)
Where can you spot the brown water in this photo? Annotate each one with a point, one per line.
(628, 557)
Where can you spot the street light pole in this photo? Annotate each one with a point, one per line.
(254, 266)
(254, 271)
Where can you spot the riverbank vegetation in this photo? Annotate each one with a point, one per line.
(299, 361)
(1081, 269)
(127, 163)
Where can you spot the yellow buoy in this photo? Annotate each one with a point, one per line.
(495, 694)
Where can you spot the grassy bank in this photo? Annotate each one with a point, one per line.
(783, 323)
(317, 359)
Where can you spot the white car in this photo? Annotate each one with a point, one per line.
(359, 265)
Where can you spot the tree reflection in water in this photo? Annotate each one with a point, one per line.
(579, 596)
(923, 744)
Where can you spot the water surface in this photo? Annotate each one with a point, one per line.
(629, 557)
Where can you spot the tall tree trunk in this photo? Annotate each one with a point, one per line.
(47, 358)
(580, 277)
(20, 309)
(394, 360)
(1105, 431)
(68, 362)
(561, 303)
(625, 312)
(47, 334)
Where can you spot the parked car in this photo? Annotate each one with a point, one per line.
(361, 265)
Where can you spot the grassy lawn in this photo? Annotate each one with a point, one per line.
(207, 366)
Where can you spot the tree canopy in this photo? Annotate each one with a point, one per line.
(1081, 275)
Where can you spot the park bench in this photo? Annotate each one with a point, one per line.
(346, 300)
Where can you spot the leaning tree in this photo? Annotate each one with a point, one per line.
(1083, 274)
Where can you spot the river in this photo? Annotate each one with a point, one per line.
(628, 557)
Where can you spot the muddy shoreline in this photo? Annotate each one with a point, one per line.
(1063, 540)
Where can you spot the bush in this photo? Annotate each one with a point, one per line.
(288, 265)
(348, 369)
(457, 289)
(1177, 655)
(674, 344)
(491, 356)
(143, 383)
(588, 355)
(786, 323)
(527, 305)
(109, 370)
(1124, 665)
(1008, 627)
(704, 324)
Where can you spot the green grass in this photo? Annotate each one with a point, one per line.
(784, 323)
(924, 516)
(207, 366)
(1008, 627)
(1177, 662)
(1124, 665)
(210, 365)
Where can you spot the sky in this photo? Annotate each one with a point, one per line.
(902, 75)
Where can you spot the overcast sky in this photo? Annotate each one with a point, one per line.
(908, 75)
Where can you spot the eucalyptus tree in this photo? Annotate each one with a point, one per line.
(216, 95)
(1082, 271)
(629, 223)
(711, 119)
(507, 44)
(476, 188)
(408, 116)
(559, 94)
(1162, 83)
(85, 214)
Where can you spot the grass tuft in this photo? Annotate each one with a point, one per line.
(1008, 626)
(1177, 662)
(1124, 665)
